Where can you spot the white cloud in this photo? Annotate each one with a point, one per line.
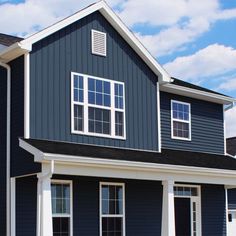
(213, 60)
(229, 85)
(231, 122)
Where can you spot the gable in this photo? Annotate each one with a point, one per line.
(69, 50)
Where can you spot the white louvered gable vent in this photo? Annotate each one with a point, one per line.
(99, 43)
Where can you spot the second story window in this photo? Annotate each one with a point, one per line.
(180, 120)
(98, 106)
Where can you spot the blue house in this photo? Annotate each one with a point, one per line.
(98, 140)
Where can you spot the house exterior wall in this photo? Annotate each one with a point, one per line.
(21, 161)
(206, 123)
(3, 121)
(213, 210)
(232, 198)
(51, 62)
(26, 206)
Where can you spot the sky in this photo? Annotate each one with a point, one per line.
(194, 40)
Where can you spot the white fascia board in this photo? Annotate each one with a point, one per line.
(194, 93)
(115, 21)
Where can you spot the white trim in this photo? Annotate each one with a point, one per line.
(86, 105)
(197, 200)
(225, 144)
(194, 93)
(70, 182)
(159, 118)
(182, 121)
(26, 95)
(8, 150)
(92, 43)
(13, 206)
(100, 205)
(112, 18)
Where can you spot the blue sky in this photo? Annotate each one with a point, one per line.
(195, 40)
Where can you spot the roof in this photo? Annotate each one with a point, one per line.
(231, 146)
(193, 86)
(8, 40)
(101, 6)
(168, 157)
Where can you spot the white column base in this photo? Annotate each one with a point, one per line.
(168, 209)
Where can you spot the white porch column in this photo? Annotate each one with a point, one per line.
(44, 215)
(168, 209)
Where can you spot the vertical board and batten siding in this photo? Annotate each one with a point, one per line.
(22, 162)
(206, 123)
(232, 199)
(3, 122)
(54, 58)
(26, 206)
(213, 210)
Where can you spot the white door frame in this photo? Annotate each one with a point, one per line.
(193, 200)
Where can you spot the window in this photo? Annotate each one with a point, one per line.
(61, 208)
(98, 106)
(99, 43)
(112, 209)
(181, 120)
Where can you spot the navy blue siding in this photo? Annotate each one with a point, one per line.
(207, 125)
(21, 161)
(3, 112)
(232, 198)
(26, 206)
(143, 206)
(213, 210)
(52, 61)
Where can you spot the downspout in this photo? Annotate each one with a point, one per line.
(8, 146)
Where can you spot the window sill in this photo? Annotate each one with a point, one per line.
(183, 139)
(98, 135)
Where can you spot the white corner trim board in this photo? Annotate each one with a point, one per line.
(26, 44)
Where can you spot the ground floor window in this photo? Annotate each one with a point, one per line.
(187, 210)
(61, 208)
(112, 209)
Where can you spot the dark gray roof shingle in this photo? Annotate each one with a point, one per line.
(170, 157)
(8, 40)
(231, 146)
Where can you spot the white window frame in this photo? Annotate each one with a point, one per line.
(92, 43)
(197, 200)
(100, 205)
(86, 105)
(182, 121)
(70, 182)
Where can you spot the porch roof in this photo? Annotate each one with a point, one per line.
(167, 156)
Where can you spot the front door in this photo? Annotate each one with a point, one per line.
(183, 216)
(232, 223)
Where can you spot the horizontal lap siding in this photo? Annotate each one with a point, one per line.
(143, 206)
(21, 161)
(3, 121)
(206, 122)
(232, 198)
(213, 210)
(52, 60)
(26, 206)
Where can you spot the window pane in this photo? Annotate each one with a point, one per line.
(119, 123)
(112, 226)
(119, 96)
(99, 120)
(180, 129)
(78, 117)
(78, 88)
(61, 226)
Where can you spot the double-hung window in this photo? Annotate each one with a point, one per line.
(61, 208)
(181, 120)
(112, 209)
(98, 106)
